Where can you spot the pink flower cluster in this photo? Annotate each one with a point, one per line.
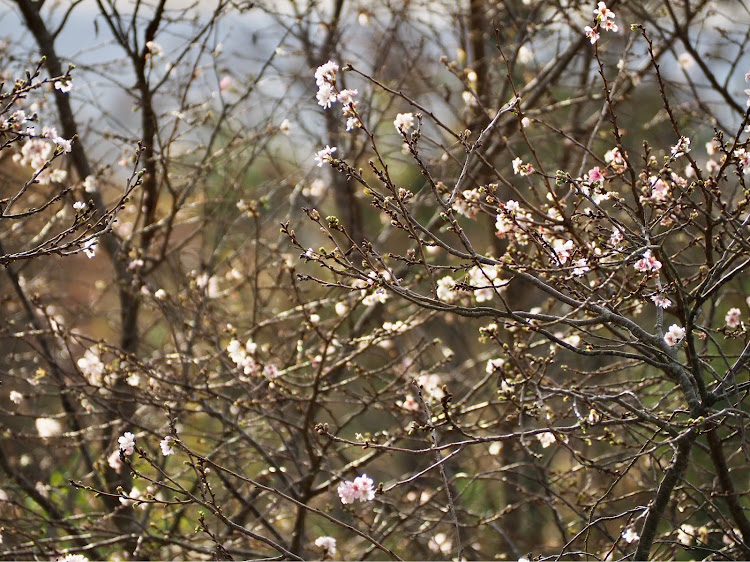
(604, 20)
(648, 263)
(361, 488)
(732, 318)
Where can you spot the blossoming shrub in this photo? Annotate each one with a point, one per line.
(504, 317)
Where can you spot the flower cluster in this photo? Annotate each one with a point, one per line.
(604, 20)
(521, 169)
(467, 203)
(509, 220)
(328, 545)
(592, 185)
(485, 282)
(361, 488)
(661, 301)
(324, 155)
(404, 122)
(127, 443)
(243, 356)
(681, 148)
(615, 159)
(328, 94)
(91, 366)
(674, 335)
(732, 318)
(166, 446)
(648, 263)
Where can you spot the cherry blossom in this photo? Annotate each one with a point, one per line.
(410, 404)
(615, 159)
(325, 155)
(445, 289)
(89, 247)
(64, 86)
(47, 427)
(732, 318)
(595, 176)
(346, 98)
(602, 12)
(521, 169)
(648, 263)
(674, 335)
(494, 365)
(127, 443)
(361, 488)
(166, 445)
(681, 148)
(242, 356)
(91, 366)
(404, 122)
(743, 159)
(581, 268)
(629, 535)
(326, 73)
(484, 281)
(616, 237)
(592, 34)
(328, 544)
(326, 95)
(661, 301)
(546, 438)
(114, 461)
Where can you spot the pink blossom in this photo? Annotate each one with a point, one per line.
(661, 301)
(591, 33)
(361, 488)
(659, 189)
(732, 318)
(648, 263)
(743, 158)
(616, 237)
(224, 83)
(114, 461)
(166, 445)
(409, 404)
(595, 175)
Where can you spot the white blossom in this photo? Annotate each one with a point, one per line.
(47, 427)
(127, 443)
(404, 122)
(328, 544)
(166, 445)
